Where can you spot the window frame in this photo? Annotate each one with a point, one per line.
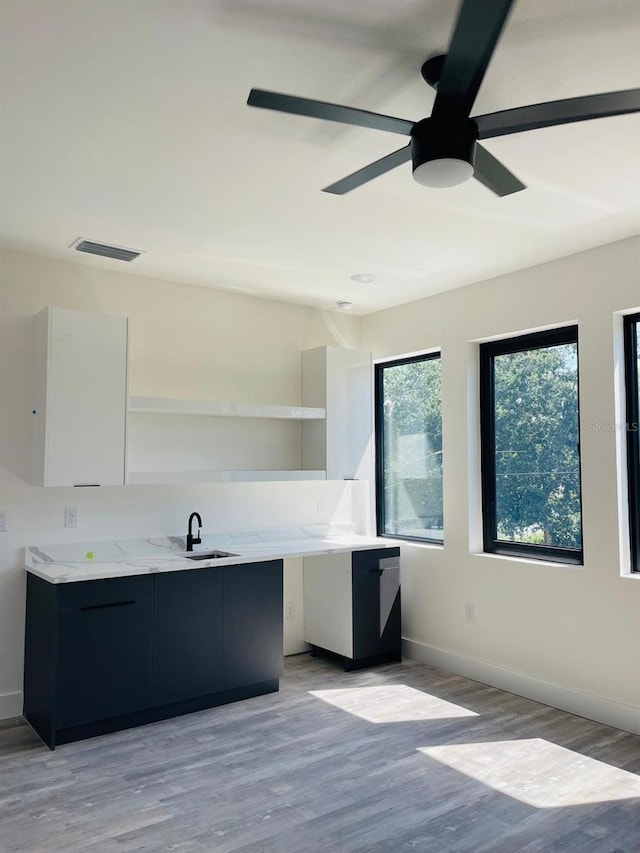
(488, 351)
(379, 369)
(631, 322)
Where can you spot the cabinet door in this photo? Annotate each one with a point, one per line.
(104, 649)
(376, 602)
(252, 647)
(85, 400)
(340, 380)
(187, 634)
(328, 597)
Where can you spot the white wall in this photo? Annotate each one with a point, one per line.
(569, 636)
(186, 341)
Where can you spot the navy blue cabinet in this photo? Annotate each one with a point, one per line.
(187, 634)
(377, 618)
(252, 644)
(103, 649)
(107, 654)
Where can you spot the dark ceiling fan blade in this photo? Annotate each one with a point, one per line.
(324, 110)
(368, 173)
(494, 175)
(476, 34)
(558, 112)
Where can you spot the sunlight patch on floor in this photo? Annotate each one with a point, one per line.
(537, 772)
(391, 703)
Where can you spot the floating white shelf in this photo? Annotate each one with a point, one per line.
(213, 408)
(239, 476)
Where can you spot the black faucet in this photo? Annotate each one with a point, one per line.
(191, 539)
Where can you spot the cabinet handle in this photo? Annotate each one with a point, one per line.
(86, 485)
(109, 604)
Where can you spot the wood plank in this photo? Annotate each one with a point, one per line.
(335, 763)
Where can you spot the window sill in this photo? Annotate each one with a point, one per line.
(430, 546)
(527, 561)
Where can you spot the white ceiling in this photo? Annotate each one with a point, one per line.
(125, 121)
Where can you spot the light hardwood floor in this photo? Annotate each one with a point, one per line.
(391, 759)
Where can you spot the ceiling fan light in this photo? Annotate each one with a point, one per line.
(443, 172)
(443, 153)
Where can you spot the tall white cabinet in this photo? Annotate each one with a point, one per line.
(80, 407)
(340, 381)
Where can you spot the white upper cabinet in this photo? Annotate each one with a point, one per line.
(82, 434)
(80, 408)
(341, 381)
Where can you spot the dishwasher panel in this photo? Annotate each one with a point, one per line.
(376, 603)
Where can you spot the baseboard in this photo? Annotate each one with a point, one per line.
(10, 705)
(597, 708)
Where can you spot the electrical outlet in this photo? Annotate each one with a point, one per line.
(470, 612)
(321, 506)
(289, 610)
(4, 520)
(71, 516)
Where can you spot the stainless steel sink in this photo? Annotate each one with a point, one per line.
(208, 555)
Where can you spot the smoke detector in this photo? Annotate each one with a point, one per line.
(344, 305)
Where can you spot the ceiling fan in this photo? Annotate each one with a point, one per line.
(444, 147)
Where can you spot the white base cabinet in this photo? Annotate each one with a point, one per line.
(80, 406)
(328, 602)
(352, 605)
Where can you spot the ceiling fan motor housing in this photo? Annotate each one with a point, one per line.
(443, 152)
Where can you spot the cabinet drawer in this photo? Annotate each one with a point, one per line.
(376, 559)
(104, 593)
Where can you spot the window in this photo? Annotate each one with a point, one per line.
(531, 446)
(409, 448)
(632, 365)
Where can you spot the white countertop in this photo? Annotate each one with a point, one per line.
(71, 562)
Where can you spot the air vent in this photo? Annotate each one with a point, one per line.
(106, 251)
